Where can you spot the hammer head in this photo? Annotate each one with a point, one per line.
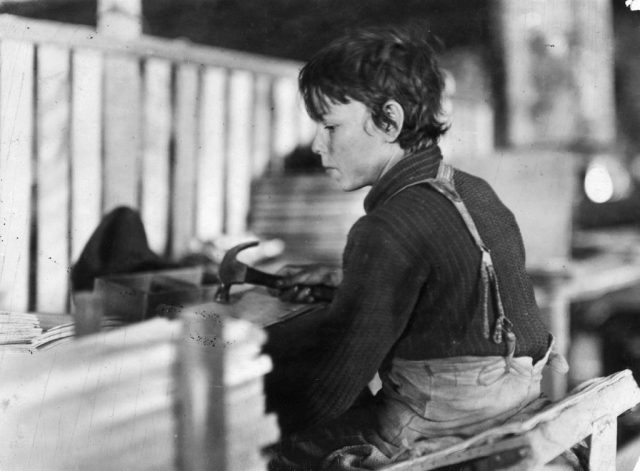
(231, 270)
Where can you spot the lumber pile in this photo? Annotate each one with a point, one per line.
(64, 333)
(17, 330)
(224, 353)
(24, 333)
(160, 395)
(248, 424)
(103, 402)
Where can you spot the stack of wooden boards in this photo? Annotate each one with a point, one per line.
(17, 331)
(239, 411)
(64, 333)
(160, 394)
(22, 333)
(308, 212)
(103, 402)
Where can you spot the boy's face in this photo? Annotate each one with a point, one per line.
(354, 150)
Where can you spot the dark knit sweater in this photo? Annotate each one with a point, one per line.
(411, 285)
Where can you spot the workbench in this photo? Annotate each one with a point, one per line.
(613, 265)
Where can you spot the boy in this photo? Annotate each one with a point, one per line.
(433, 293)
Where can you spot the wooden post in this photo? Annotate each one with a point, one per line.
(553, 299)
(123, 107)
(602, 455)
(53, 115)
(155, 170)
(262, 124)
(212, 153)
(121, 18)
(16, 137)
(238, 182)
(285, 135)
(86, 147)
(184, 172)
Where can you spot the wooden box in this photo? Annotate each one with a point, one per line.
(135, 297)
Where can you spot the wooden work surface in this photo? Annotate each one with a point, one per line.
(602, 274)
(604, 263)
(292, 328)
(614, 263)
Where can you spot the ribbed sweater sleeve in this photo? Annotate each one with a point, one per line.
(367, 318)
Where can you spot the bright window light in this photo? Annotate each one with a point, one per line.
(598, 184)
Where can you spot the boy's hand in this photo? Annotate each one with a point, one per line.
(298, 280)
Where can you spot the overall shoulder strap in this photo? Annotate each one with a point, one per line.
(445, 174)
(444, 184)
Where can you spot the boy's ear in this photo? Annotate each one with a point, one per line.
(395, 114)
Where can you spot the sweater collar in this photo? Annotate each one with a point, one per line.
(413, 167)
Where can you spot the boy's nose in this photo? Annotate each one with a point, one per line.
(317, 146)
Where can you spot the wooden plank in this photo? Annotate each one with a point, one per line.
(261, 126)
(202, 444)
(596, 276)
(122, 136)
(16, 127)
(238, 188)
(156, 153)
(576, 422)
(212, 152)
(86, 148)
(285, 125)
(53, 160)
(78, 36)
(85, 406)
(184, 172)
(602, 450)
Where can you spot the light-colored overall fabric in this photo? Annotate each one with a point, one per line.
(462, 396)
(426, 406)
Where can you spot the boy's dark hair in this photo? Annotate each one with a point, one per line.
(375, 65)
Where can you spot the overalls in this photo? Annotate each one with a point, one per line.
(429, 403)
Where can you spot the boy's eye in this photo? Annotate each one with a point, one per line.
(329, 127)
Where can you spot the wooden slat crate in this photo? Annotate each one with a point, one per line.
(183, 394)
(90, 122)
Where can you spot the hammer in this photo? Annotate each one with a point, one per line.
(232, 271)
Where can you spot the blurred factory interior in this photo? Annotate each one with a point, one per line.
(213, 146)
